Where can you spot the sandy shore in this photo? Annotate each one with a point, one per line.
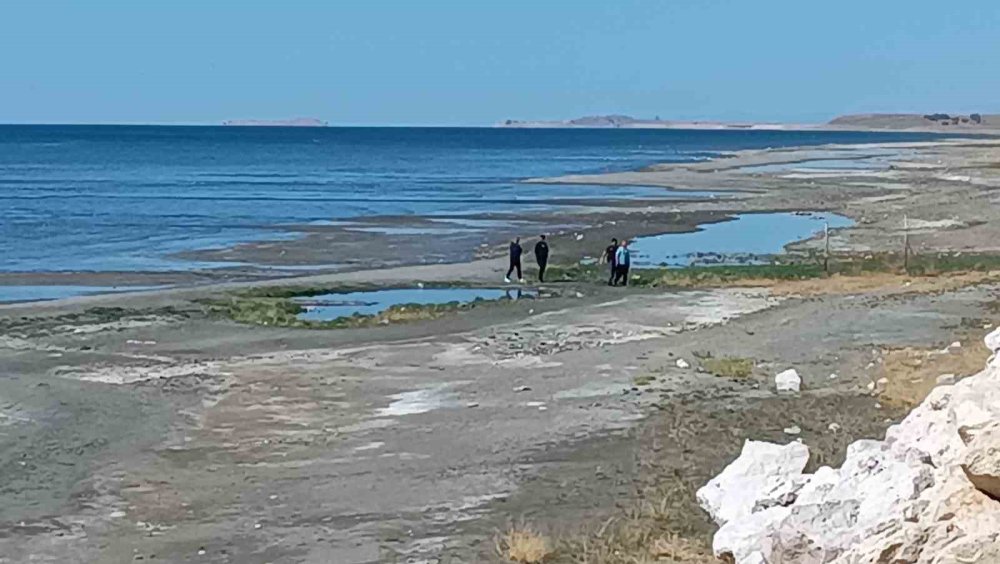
(156, 430)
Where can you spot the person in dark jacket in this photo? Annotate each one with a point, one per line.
(541, 257)
(515, 260)
(609, 257)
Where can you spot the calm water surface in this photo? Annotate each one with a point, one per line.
(105, 198)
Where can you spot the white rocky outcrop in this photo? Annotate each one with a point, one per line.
(927, 494)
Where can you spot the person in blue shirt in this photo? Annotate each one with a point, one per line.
(622, 263)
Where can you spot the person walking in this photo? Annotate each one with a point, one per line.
(622, 263)
(609, 257)
(542, 257)
(515, 260)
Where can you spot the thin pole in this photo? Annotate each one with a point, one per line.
(826, 251)
(906, 244)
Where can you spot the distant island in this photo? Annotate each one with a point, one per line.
(295, 122)
(629, 122)
(901, 122)
(919, 121)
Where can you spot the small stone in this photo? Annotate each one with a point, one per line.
(793, 430)
(833, 376)
(834, 428)
(946, 379)
(522, 389)
(472, 404)
(788, 381)
(682, 364)
(955, 345)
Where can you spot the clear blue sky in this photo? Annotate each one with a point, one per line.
(473, 62)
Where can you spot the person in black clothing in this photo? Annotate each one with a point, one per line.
(609, 257)
(515, 260)
(542, 257)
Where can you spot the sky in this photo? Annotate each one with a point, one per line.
(476, 62)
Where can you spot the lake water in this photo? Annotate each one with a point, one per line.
(104, 198)
(748, 234)
(328, 307)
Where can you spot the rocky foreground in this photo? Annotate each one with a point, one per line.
(928, 493)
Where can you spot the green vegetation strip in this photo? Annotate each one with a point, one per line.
(795, 269)
(274, 307)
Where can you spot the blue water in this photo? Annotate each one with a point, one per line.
(328, 307)
(125, 198)
(747, 234)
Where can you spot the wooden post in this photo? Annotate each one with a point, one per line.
(906, 244)
(826, 249)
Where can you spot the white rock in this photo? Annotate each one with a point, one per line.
(682, 364)
(833, 376)
(793, 430)
(981, 461)
(834, 427)
(992, 341)
(911, 498)
(788, 381)
(733, 494)
(955, 345)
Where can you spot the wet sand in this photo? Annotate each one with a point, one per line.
(158, 431)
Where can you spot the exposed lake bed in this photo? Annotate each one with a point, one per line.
(421, 439)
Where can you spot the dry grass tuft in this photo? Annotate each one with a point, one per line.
(728, 367)
(912, 373)
(523, 544)
(643, 379)
(645, 532)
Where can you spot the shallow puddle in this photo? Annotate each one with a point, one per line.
(419, 401)
(328, 307)
(741, 240)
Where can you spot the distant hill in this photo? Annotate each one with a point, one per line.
(938, 121)
(915, 122)
(629, 122)
(296, 122)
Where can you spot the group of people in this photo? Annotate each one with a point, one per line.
(541, 257)
(620, 260)
(616, 255)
